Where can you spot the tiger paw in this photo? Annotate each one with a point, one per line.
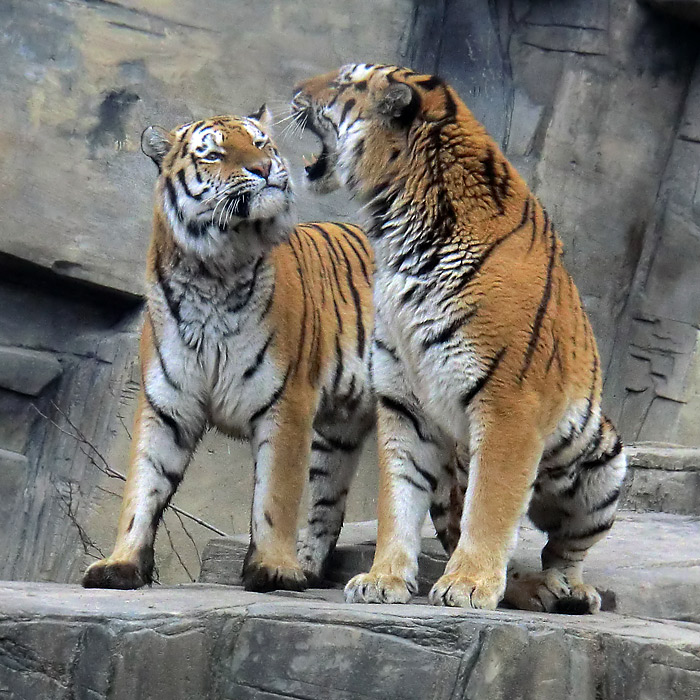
(464, 591)
(264, 578)
(549, 591)
(378, 588)
(587, 598)
(115, 574)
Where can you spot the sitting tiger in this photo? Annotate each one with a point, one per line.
(481, 344)
(254, 327)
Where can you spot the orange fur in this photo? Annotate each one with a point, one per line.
(492, 348)
(284, 362)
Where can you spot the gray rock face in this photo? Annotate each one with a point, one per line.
(205, 642)
(688, 10)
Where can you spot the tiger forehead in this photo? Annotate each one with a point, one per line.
(219, 133)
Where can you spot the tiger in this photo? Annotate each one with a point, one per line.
(485, 366)
(255, 327)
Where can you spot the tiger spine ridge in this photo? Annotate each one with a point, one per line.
(253, 327)
(482, 347)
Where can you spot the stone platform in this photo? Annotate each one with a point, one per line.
(197, 642)
(214, 642)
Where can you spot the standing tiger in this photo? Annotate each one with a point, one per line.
(481, 342)
(254, 327)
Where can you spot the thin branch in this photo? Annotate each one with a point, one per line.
(104, 467)
(175, 552)
(85, 539)
(189, 536)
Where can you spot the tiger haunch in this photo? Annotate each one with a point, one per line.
(481, 343)
(254, 327)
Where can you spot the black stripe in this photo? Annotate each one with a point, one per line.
(183, 184)
(258, 358)
(172, 196)
(166, 419)
(403, 410)
(446, 333)
(173, 305)
(334, 258)
(329, 502)
(359, 325)
(272, 400)
(338, 444)
(605, 458)
(430, 83)
(414, 483)
(174, 478)
(468, 396)
(269, 303)
(555, 352)
(361, 260)
(605, 503)
(318, 446)
(390, 351)
(240, 305)
(356, 234)
(346, 110)
(592, 532)
(541, 310)
(156, 346)
(474, 269)
(304, 299)
(489, 163)
(437, 510)
(432, 481)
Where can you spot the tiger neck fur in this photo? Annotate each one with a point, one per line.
(443, 190)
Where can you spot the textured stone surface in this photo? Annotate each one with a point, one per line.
(27, 371)
(648, 566)
(688, 10)
(62, 642)
(663, 478)
(82, 84)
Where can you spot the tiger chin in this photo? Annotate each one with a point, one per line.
(257, 328)
(485, 366)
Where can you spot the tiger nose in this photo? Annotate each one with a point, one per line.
(261, 169)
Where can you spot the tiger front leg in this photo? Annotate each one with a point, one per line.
(163, 442)
(506, 451)
(411, 463)
(281, 446)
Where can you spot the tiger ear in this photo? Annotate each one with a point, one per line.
(263, 115)
(155, 143)
(398, 102)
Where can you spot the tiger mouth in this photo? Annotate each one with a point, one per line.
(321, 165)
(318, 167)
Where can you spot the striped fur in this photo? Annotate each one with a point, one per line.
(481, 344)
(253, 327)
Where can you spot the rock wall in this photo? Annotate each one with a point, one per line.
(597, 102)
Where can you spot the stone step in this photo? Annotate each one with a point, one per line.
(663, 478)
(648, 566)
(216, 642)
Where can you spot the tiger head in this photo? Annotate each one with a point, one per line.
(366, 116)
(223, 187)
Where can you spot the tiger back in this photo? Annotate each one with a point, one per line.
(257, 328)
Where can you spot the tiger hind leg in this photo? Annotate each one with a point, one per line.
(332, 466)
(447, 500)
(576, 508)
